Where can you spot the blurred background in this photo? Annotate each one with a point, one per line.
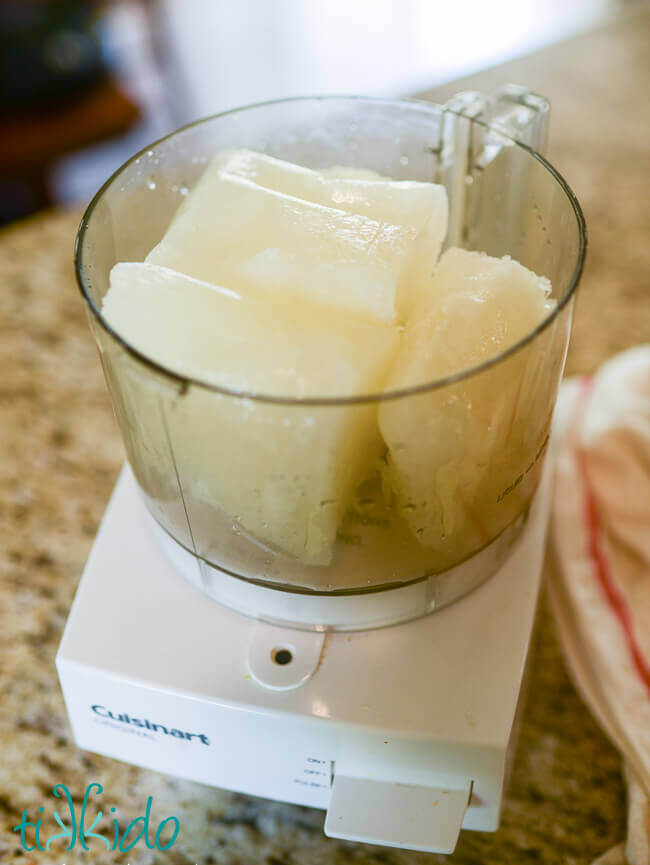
(86, 83)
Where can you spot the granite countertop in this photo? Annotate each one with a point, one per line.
(61, 452)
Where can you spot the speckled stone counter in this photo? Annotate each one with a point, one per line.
(60, 455)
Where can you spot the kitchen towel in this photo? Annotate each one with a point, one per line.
(599, 575)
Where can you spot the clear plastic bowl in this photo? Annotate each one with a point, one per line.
(481, 435)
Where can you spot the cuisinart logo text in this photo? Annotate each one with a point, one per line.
(123, 718)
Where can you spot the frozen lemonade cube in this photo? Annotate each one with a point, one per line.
(420, 207)
(232, 231)
(285, 473)
(399, 202)
(453, 451)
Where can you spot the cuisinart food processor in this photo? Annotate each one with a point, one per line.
(298, 661)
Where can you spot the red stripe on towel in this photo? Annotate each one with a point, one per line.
(600, 560)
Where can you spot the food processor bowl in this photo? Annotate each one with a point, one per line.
(288, 509)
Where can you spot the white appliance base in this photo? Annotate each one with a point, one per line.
(390, 730)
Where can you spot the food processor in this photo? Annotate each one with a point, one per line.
(237, 625)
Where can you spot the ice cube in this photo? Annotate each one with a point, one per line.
(420, 207)
(287, 472)
(461, 456)
(231, 231)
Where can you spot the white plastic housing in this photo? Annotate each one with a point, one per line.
(429, 704)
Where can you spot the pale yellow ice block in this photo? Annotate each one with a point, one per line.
(462, 458)
(420, 205)
(400, 202)
(416, 206)
(231, 231)
(283, 473)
